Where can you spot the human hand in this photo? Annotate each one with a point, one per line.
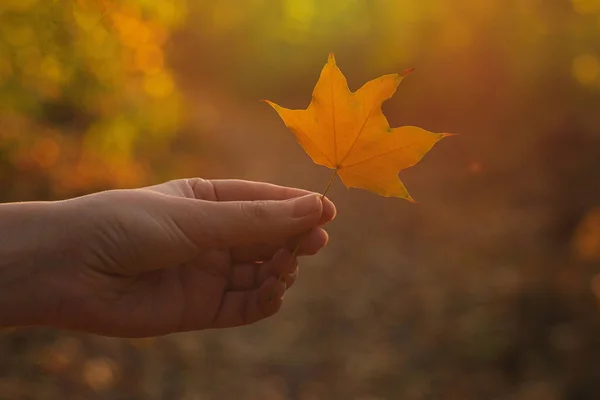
(185, 255)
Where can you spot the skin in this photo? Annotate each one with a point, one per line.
(184, 255)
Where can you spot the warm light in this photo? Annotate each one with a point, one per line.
(586, 69)
(302, 11)
(159, 85)
(149, 59)
(457, 35)
(45, 152)
(475, 167)
(50, 68)
(586, 6)
(586, 241)
(18, 35)
(227, 14)
(99, 373)
(5, 69)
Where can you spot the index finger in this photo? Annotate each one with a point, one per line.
(241, 190)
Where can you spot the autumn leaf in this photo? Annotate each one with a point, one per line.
(348, 132)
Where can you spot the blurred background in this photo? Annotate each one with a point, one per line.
(485, 289)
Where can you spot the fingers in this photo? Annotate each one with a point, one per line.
(232, 224)
(310, 244)
(245, 303)
(246, 276)
(235, 190)
(246, 307)
(282, 264)
(240, 190)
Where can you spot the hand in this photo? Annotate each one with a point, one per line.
(185, 255)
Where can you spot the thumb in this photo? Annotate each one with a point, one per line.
(234, 223)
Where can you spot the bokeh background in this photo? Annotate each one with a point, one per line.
(485, 289)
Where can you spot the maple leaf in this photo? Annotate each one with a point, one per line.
(347, 131)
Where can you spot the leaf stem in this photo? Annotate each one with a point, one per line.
(297, 247)
(335, 172)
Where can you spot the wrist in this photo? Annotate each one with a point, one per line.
(29, 243)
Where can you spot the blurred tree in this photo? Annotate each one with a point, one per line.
(85, 94)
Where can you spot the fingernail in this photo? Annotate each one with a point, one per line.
(277, 291)
(332, 206)
(294, 271)
(305, 205)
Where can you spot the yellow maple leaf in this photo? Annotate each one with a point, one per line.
(347, 131)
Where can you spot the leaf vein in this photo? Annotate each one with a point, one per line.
(377, 156)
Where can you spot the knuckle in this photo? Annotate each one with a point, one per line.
(256, 210)
(202, 188)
